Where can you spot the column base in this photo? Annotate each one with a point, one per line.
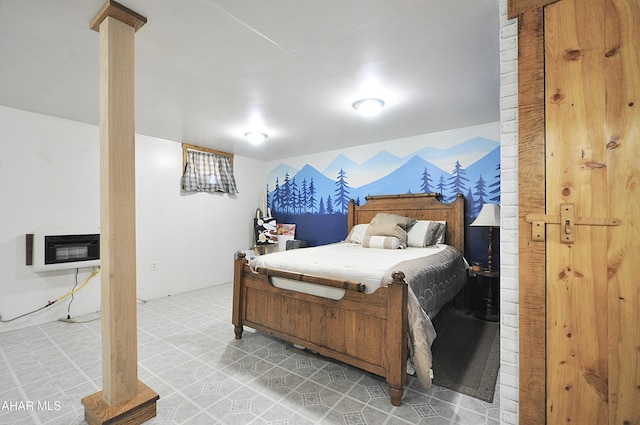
(139, 409)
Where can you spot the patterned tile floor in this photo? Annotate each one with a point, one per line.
(187, 353)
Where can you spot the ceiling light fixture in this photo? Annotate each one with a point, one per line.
(255, 137)
(368, 107)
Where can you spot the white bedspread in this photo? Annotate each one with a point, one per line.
(345, 261)
(370, 266)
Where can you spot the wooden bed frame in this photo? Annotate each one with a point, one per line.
(368, 331)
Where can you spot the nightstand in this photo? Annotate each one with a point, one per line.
(489, 279)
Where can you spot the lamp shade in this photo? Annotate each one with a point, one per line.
(489, 216)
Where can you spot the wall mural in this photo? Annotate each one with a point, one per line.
(317, 200)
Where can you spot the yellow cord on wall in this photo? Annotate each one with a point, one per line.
(91, 276)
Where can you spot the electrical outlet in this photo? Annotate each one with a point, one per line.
(154, 266)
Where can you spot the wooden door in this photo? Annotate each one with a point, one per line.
(590, 148)
(592, 58)
(577, 175)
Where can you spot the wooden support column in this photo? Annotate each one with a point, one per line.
(124, 399)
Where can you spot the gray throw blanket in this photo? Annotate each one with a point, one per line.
(435, 280)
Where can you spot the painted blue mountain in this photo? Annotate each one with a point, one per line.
(322, 183)
(340, 162)
(280, 172)
(385, 173)
(405, 179)
(466, 153)
(374, 168)
(488, 169)
(382, 159)
(384, 163)
(472, 165)
(487, 166)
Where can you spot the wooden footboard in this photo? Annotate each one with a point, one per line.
(368, 331)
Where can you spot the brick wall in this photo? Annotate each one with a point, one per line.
(509, 218)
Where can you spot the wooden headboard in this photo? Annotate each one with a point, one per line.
(421, 206)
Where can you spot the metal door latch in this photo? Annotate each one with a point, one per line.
(567, 220)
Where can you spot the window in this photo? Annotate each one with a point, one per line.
(207, 170)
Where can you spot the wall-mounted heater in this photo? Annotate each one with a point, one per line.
(59, 249)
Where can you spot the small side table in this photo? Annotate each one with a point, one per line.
(490, 278)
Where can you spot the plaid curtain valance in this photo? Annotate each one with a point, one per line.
(207, 172)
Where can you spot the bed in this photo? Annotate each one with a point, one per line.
(365, 327)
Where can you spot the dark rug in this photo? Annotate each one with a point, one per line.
(466, 355)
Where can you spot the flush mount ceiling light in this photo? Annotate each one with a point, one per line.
(255, 137)
(368, 107)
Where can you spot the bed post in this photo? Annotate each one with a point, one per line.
(237, 313)
(351, 214)
(396, 340)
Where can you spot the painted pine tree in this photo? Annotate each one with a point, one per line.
(295, 194)
(480, 195)
(342, 192)
(311, 197)
(286, 194)
(425, 187)
(304, 192)
(495, 192)
(470, 205)
(457, 181)
(441, 186)
(275, 197)
(329, 209)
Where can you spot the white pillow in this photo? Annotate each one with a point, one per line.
(417, 233)
(425, 233)
(382, 242)
(356, 235)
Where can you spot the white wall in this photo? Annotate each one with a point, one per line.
(49, 177)
(190, 237)
(509, 347)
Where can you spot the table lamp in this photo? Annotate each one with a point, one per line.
(489, 216)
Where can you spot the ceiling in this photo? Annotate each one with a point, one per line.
(207, 71)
